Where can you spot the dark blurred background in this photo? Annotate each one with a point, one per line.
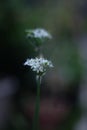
(66, 20)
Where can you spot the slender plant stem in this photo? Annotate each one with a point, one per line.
(37, 107)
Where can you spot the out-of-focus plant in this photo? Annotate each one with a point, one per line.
(37, 37)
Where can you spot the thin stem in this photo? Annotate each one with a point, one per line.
(37, 107)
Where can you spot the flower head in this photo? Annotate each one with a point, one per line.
(39, 65)
(38, 33)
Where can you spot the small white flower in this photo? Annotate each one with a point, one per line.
(39, 65)
(38, 33)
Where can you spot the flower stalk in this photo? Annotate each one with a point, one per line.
(39, 65)
(37, 106)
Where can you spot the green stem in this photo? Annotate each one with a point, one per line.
(37, 107)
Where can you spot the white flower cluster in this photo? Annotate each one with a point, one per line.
(38, 33)
(39, 65)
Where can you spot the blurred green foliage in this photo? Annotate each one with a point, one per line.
(65, 19)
